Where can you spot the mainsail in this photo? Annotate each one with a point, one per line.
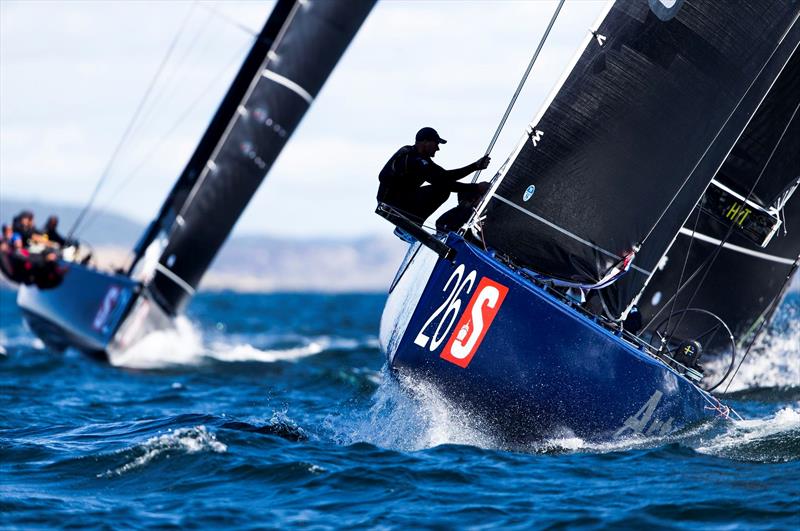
(740, 282)
(295, 52)
(632, 137)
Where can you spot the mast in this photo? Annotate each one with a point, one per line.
(294, 54)
(633, 136)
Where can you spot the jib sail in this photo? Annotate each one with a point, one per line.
(632, 137)
(292, 57)
(741, 281)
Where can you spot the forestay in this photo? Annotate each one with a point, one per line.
(294, 54)
(633, 135)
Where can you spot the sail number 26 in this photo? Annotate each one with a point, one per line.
(474, 321)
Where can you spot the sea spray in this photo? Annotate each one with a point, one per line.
(405, 414)
(772, 362)
(181, 345)
(773, 439)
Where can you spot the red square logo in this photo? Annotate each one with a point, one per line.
(474, 322)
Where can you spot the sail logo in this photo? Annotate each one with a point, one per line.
(529, 191)
(665, 9)
(474, 323)
(106, 307)
(637, 424)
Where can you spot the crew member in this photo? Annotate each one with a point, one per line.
(416, 186)
(23, 225)
(51, 230)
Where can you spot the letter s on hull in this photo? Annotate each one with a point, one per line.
(474, 322)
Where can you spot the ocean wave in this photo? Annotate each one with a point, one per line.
(187, 440)
(185, 346)
(407, 415)
(772, 439)
(769, 440)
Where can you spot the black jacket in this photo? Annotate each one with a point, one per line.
(408, 170)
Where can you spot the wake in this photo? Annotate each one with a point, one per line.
(184, 346)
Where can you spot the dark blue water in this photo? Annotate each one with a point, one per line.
(279, 414)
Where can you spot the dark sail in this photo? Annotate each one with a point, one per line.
(633, 136)
(744, 278)
(294, 54)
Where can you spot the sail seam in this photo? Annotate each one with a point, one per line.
(736, 248)
(566, 232)
(288, 83)
(175, 278)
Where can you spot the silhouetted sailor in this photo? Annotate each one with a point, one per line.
(51, 230)
(416, 186)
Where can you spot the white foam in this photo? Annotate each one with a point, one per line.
(773, 362)
(188, 440)
(181, 345)
(741, 433)
(184, 346)
(409, 415)
(245, 352)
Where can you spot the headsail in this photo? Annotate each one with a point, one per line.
(741, 282)
(633, 136)
(294, 54)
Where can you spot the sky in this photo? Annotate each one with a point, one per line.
(72, 74)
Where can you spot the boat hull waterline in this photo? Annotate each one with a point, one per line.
(529, 366)
(96, 312)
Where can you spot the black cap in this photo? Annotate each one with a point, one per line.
(429, 133)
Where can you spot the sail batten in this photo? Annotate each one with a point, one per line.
(634, 135)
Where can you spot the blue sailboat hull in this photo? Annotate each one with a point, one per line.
(99, 313)
(528, 365)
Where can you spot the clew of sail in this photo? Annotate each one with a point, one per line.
(633, 136)
(294, 54)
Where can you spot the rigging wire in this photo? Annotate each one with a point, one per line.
(229, 19)
(689, 280)
(520, 85)
(167, 88)
(104, 175)
(147, 157)
(685, 262)
(689, 177)
(771, 306)
(730, 228)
